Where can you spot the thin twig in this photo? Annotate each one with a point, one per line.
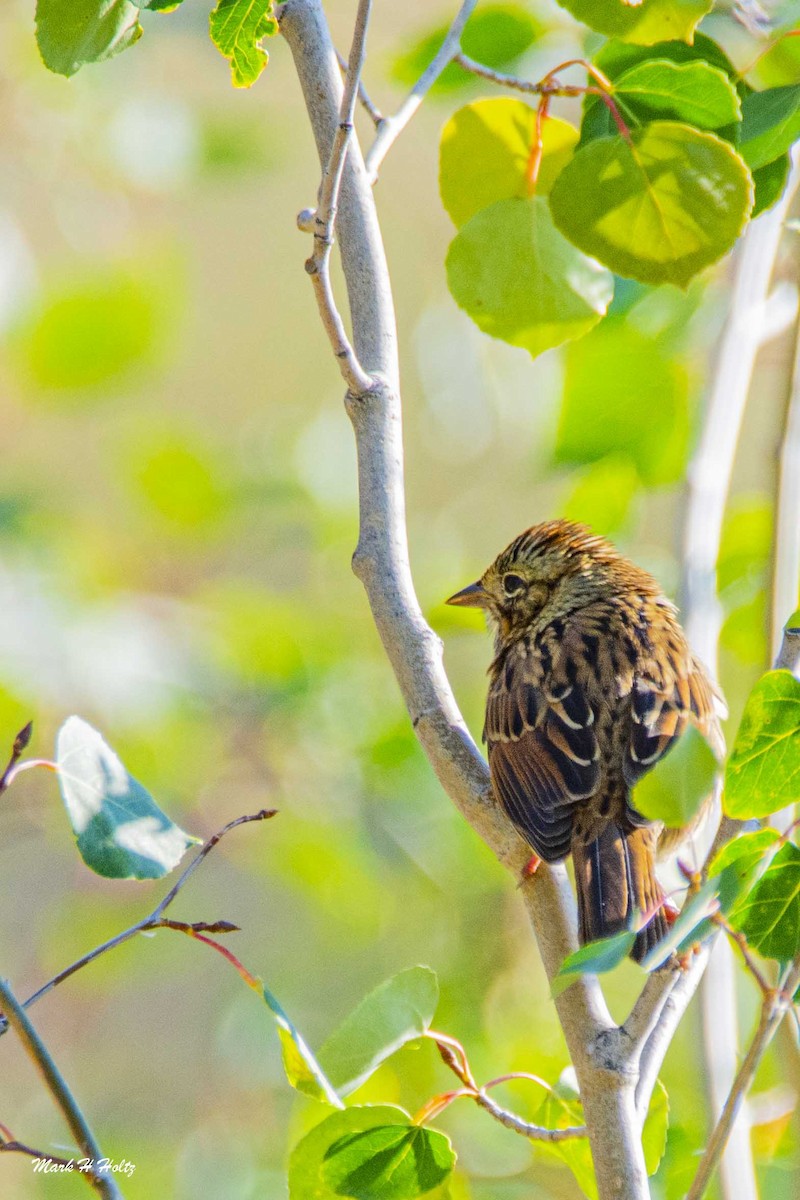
(318, 265)
(654, 1051)
(498, 77)
(374, 113)
(393, 126)
(155, 920)
(104, 1184)
(776, 1004)
(454, 1056)
(740, 941)
(535, 1133)
(648, 1008)
(12, 1146)
(21, 742)
(263, 814)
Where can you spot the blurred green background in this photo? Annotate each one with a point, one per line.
(177, 514)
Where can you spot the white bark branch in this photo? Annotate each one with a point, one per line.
(391, 127)
(606, 1081)
(775, 1006)
(709, 482)
(786, 574)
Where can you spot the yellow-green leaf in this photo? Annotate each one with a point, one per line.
(658, 207)
(485, 154)
(237, 29)
(645, 22)
(521, 280)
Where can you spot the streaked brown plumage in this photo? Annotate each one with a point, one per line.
(591, 684)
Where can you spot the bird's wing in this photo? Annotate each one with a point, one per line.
(543, 750)
(672, 692)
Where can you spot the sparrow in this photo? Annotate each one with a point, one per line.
(591, 684)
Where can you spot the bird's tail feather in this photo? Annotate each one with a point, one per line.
(615, 877)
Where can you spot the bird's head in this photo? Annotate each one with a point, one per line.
(549, 571)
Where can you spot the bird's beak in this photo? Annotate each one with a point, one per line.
(474, 596)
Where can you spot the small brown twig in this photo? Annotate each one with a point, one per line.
(454, 1056)
(740, 941)
(156, 919)
(11, 1145)
(498, 77)
(104, 1184)
(21, 743)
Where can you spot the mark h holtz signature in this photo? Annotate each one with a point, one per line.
(93, 1166)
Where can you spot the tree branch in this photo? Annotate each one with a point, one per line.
(373, 112)
(155, 920)
(710, 473)
(318, 265)
(415, 653)
(786, 572)
(776, 1004)
(392, 127)
(103, 1183)
(498, 77)
(654, 1051)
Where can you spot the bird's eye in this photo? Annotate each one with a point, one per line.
(513, 584)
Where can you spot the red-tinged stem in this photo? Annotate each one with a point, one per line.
(29, 763)
(437, 1104)
(249, 979)
(535, 159)
(520, 1075)
(612, 108)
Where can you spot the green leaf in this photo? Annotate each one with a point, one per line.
(71, 33)
(770, 181)
(693, 92)
(369, 1153)
(656, 1125)
(770, 124)
(121, 832)
(512, 271)
(162, 6)
(485, 152)
(237, 28)
(659, 208)
(594, 958)
(763, 770)
(623, 396)
(497, 35)
(302, 1069)
(689, 927)
(647, 22)
(677, 786)
(398, 1011)
(614, 59)
(770, 916)
(603, 495)
(740, 864)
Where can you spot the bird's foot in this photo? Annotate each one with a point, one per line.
(530, 868)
